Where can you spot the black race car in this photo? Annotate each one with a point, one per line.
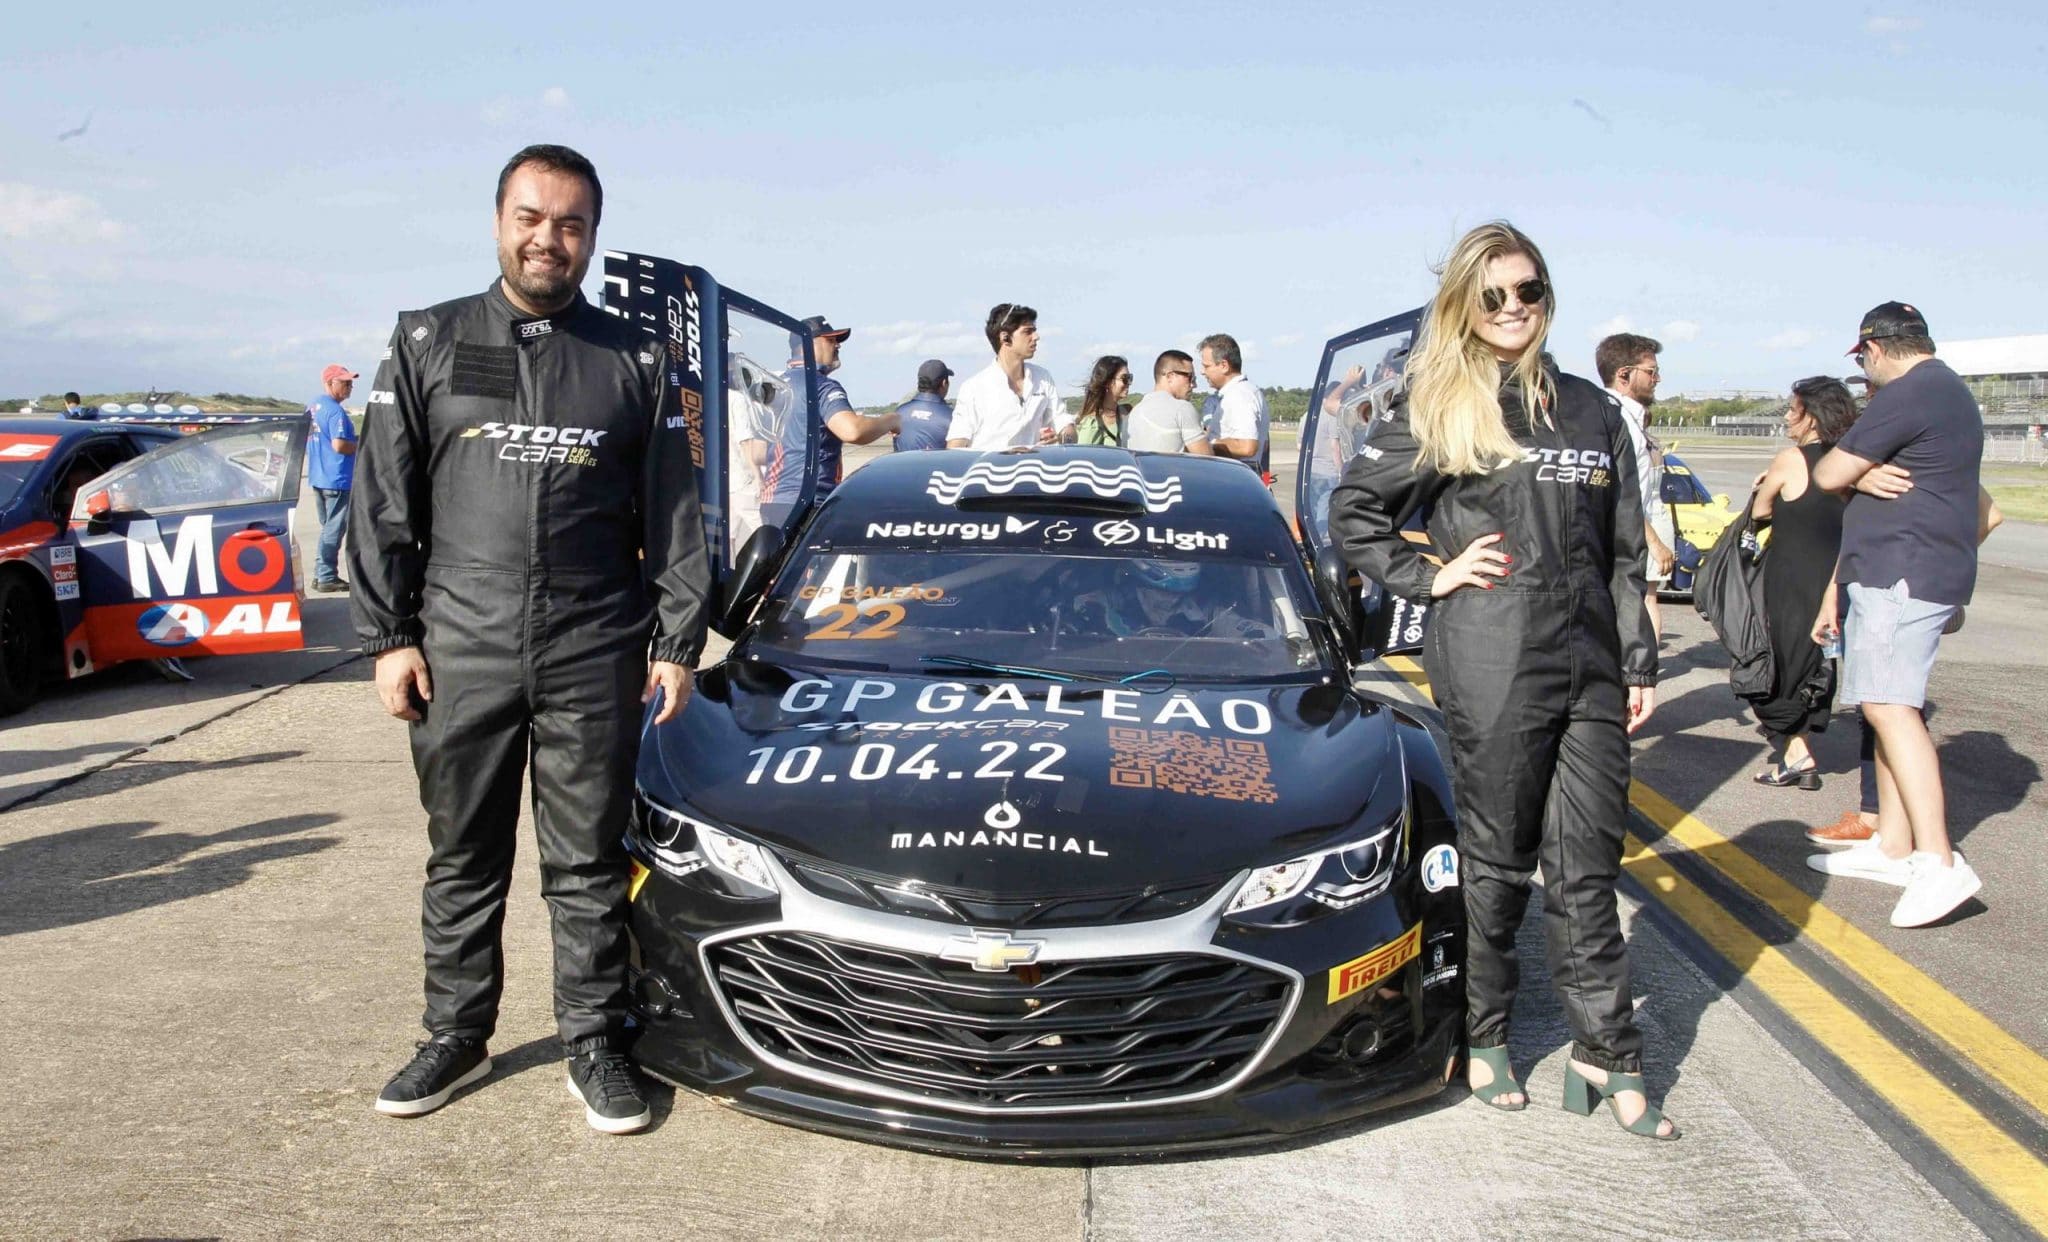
(1034, 811)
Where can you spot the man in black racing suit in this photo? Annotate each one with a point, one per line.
(1535, 701)
(525, 522)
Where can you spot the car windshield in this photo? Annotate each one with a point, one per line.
(1089, 616)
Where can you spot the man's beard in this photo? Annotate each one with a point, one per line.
(541, 290)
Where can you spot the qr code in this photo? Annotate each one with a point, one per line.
(1210, 767)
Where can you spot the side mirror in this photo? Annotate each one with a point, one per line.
(1720, 500)
(1341, 601)
(751, 571)
(97, 508)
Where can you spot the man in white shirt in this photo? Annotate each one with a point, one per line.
(1237, 417)
(1011, 403)
(1628, 367)
(1165, 421)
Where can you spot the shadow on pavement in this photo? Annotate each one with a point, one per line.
(2002, 778)
(86, 874)
(143, 770)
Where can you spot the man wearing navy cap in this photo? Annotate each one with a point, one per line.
(330, 470)
(1908, 564)
(781, 482)
(926, 417)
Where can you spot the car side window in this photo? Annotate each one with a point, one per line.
(242, 466)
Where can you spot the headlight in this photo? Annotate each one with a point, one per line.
(739, 861)
(681, 845)
(1335, 879)
(1275, 883)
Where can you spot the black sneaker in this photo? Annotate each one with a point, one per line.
(334, 586)
(442, 1066)
(601, 1077)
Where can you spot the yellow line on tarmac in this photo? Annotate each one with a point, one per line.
(2008, 1169)
(1988, 1046)
(2001, 1164)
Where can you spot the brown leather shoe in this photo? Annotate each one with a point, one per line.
(1847, 830)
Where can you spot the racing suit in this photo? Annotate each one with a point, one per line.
(1531, 676)
(527, 516)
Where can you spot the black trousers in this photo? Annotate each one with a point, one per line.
(561, 700)
(1533, 703)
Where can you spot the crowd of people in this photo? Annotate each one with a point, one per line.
(1543, 649)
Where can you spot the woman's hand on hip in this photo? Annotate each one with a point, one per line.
(1478, 565)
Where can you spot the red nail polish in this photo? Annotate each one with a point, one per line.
(1509, 559)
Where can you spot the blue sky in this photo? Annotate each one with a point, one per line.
(260, 188)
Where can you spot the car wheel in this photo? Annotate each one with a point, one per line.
(24, 642)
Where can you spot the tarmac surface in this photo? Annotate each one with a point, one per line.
(208, 937)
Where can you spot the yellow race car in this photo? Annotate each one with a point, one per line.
(1698, 516)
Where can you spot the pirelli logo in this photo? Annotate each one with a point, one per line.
(1361, 973)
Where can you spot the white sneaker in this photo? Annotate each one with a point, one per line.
(1934, 891)
(1865, 861)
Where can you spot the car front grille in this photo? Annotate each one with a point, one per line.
(895, 896)
(1058, 1035)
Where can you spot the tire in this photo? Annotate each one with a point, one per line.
(25, 641)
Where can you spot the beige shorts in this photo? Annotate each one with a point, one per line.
(1660, 521)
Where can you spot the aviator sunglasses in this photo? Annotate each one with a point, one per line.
(1530, 292)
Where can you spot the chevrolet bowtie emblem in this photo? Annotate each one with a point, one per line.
(993, 952)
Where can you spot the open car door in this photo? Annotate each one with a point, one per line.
(743, 380)
(1361, 373)
(189, 550)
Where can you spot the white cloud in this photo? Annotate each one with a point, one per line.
(929, 340)
(1891, 25)
(1285, 339)
(496, 111)
(1681, 330)
(555, 97)
(1601, 331)
(1791, 338)
(31, 213)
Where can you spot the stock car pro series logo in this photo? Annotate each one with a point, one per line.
(527, 443)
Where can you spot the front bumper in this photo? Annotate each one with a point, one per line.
(1137, 1038)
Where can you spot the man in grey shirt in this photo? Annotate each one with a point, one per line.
(1165, 421)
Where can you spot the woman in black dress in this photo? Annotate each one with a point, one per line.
(1806, 535)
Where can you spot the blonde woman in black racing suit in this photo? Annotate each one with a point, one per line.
(1539, 650)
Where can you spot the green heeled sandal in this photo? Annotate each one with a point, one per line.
(1503, 1084)
(1581, 1093)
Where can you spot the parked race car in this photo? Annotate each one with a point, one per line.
(1699, 517)
(126, 542)
(1034, 810)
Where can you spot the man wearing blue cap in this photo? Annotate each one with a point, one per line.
(926, 417)
(781, 481)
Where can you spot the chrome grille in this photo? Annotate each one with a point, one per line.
(1061, 1034)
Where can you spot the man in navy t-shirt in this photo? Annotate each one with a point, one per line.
(926, 417)
(782, 480)
(330, 470)
(1908, 564)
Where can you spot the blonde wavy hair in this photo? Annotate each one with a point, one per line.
(1454, 380)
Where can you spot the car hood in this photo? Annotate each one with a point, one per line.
(1026, 787)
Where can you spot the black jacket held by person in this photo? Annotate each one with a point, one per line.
(1729, 593)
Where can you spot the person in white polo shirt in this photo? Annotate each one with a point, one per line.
(1237, 417)
(1011, 403)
